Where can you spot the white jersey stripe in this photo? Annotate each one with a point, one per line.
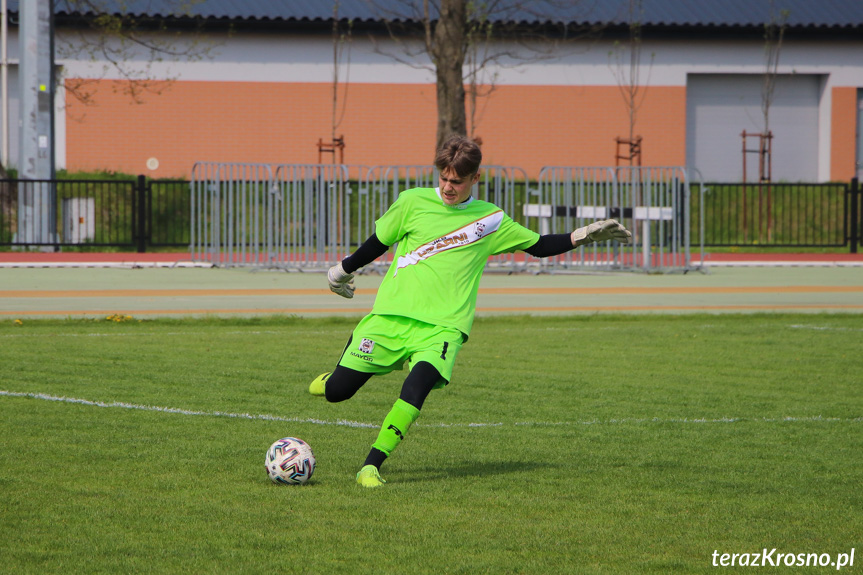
(463, 236)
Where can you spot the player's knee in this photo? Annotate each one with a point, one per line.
(343, 384)
(336, 393)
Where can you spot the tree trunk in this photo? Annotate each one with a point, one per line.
(448, 55)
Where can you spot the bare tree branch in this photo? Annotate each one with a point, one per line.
(128, 45)
(774, 31)
(462, 40)
(627, 67)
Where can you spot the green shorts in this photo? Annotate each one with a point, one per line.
(383, 343)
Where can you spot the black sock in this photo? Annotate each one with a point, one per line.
(376, 457)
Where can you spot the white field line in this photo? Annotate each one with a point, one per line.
(825, 328)
(167, 334)
(180, 411)
(348, 423)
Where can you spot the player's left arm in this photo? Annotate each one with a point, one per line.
(556, 244)
(341, 275)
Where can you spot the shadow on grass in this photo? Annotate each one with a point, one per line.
(466, 469)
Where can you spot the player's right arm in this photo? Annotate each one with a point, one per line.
(371, 250)
(341, 275)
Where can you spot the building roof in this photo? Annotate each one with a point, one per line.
(843, 14)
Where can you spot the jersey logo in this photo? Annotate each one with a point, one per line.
(463, 236)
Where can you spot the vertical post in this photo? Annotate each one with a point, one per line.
(37, 222)
(745, 238)
(855, 214)
(645, 238)
(4, 86)
(141, 215)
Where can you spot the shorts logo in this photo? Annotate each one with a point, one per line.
(367, 345)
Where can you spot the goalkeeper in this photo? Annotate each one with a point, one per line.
(425, 305)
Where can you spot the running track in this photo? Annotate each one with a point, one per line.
(76, 289)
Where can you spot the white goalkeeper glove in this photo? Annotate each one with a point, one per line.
(341, 282)
(601, 231)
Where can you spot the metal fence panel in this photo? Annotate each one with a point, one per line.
(292, 216)
(660, 216)
(567, 198)
(309, 216)
(651, 202)
(229, 210)
(854, 215)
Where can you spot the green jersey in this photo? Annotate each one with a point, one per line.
(442, 251)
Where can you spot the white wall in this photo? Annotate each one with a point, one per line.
(309, 58)
(720, 106)
(273, 57)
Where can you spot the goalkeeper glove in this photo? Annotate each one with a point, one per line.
(341, 282)
(599, 232)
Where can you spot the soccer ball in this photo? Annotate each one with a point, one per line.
(290, 460)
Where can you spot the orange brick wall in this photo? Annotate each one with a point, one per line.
(843, 141)
(526, 126)
(535, 126)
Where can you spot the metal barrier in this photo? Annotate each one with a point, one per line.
(230, 207)
(308, 216)
(294, 216)
(854, 219)
(653, 203)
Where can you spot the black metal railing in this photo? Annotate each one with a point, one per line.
(126, 214)
(169, 214)
(777, 215)
(98, 213)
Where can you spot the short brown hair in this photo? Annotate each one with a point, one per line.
(459, 153)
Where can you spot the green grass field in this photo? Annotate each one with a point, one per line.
(605, 444)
